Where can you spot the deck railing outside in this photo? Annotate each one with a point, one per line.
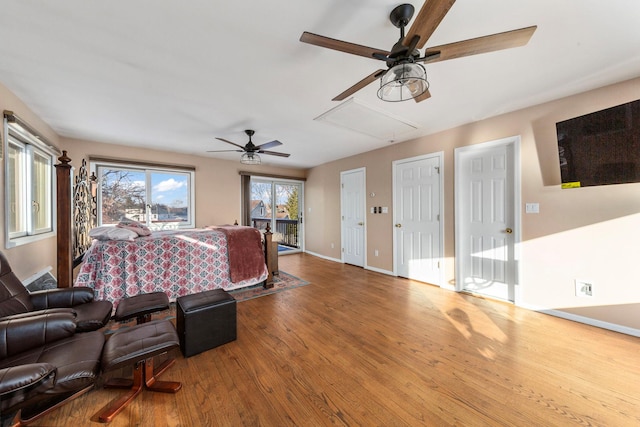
(286, 230)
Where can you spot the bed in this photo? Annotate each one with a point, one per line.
(178, 262)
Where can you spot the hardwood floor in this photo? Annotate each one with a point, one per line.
(357, 347)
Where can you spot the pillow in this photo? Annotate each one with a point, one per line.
(139, 228)
(107, 232)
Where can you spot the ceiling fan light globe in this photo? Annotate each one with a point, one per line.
(403, 82)
(250, 159)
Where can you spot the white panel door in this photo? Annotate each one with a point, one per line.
(353, 215)
(417, 225)
(485, 221)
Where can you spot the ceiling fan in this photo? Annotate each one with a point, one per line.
(405, 77)
(251, 151)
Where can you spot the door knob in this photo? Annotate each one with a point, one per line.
(398, 225)
(508, 231)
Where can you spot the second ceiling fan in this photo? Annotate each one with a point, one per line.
(250, 150)
(405, 77)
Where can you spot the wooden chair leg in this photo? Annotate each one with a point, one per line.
(160, 386)
(143, 374)
(128, 383)
(119, 404)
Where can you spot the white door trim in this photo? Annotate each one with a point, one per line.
(364, 210)
(440, 156)
(513, 141)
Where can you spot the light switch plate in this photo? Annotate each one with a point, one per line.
(532, 208)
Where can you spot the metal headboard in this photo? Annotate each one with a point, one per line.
(84, 211)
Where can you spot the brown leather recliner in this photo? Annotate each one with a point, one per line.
(15, 299)
(44, 363)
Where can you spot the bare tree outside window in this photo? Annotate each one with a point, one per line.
(123, 196)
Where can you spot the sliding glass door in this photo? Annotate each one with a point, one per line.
(279, 204)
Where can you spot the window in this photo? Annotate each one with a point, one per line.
(160, 197)
(28, 165)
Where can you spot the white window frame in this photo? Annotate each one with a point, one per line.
(95, 167)
(30, 143)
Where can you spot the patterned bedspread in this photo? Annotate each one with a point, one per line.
(178, 262)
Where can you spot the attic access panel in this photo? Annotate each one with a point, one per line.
(359, 117)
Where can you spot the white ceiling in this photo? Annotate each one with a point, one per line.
(173, 74)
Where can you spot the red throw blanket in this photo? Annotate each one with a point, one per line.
(246, 258)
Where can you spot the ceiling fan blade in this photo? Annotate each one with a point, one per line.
(382, 57)
(341, 46)
(362, 83)
(425, 95)
(428, 19)
(499, 41)
(225, 151)
(412, 44)
(273, 153)
(431, 56)
(229, 142)
(273, 143)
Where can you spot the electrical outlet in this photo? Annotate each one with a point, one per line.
(584, 288)
(375, 252)
(332, 246)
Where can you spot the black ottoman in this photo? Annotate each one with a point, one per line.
(141, 306)
(205, 320)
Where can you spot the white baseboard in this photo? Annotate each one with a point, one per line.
(323, 257)
(594, 322)
(379, 270)
(586, 320)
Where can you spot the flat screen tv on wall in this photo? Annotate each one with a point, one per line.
(600, 148)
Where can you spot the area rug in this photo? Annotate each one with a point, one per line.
(281, 282)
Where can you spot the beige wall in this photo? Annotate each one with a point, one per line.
(588, 233)
(217, 181)
(28, 259)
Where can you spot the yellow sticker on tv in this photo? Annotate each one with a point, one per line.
(571, 184)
